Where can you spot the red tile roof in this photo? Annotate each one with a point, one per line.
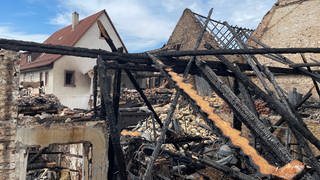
(66, 37)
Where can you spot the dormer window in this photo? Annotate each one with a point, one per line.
(29, 58)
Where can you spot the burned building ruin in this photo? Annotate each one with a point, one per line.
(222, 107)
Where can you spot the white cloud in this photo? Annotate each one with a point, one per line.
(144, 24)
(250, 12)
(61, 19)
(9, 33)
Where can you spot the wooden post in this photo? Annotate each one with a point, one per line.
(114, 132)
(116, 93)
(95, 90)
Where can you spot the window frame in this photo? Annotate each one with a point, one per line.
(73, 79)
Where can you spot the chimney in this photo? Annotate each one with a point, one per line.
(75, 20)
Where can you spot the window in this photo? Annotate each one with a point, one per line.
(40, 76)
(29, 58)
(46, 78)
(69, 78)
(101, 35)
(177, 47)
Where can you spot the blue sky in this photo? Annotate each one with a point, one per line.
(142, 24)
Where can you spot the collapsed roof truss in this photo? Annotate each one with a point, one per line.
(230, 43)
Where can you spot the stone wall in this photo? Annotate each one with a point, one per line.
(291, 24)
(8, 112)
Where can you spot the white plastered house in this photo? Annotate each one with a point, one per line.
(69, 77)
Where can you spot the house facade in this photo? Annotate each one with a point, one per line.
(68, 77)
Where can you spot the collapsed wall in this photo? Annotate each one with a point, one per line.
(291, 24)
(8, 112)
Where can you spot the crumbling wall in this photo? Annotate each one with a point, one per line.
(31, 133)
(291, 24)
(8, 112)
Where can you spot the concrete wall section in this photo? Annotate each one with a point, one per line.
(93, 132)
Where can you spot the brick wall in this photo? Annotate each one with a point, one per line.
(8, 112)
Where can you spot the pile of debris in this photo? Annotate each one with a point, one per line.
(185, 123)
(131, 97)
(188, 135)
(32, 105)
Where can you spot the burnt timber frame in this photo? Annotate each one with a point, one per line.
(159, 61)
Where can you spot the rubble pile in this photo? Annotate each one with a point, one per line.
(188, 135)
(131, 98)
(31, 105)
(185, 123)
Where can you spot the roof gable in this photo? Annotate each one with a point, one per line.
(66, 37)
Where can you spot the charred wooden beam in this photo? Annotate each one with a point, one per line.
(114, 132)
(309, 69)
(41, 165)
(247, 116)
(116, 93)
(95, 90)
(299, 137)
(284, 59)
(106, 36)
(227, 170)
(131, 77)
(237, 124)
(295, 122)
(227, 130)
(17, 45)
(251, 60)
(273, 102)
(296, 106)
(179, 66)
(295, 65)
(174, 103)
(38, 154)
(143, 96)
